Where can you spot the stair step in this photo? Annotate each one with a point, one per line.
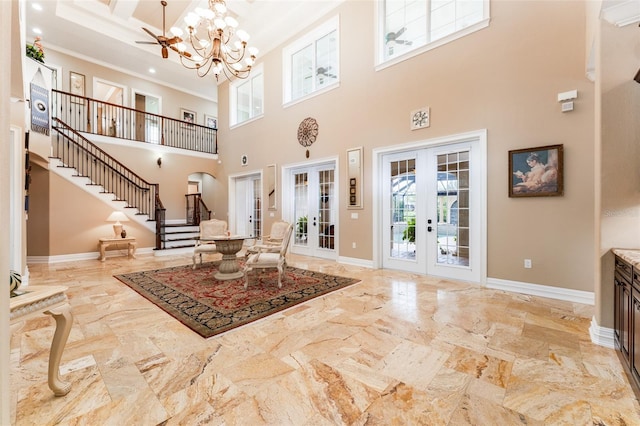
(174, 247)
(165, 240)
(177, 225)
(192, 233)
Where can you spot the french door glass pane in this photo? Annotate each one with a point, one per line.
(257, 211)
(326, 221)
(453, 208)
(402, 181)
(301, 207)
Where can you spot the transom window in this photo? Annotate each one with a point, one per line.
(246, 97)
(311, 63)
(410, 27)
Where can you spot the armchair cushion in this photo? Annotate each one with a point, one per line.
(208, 229)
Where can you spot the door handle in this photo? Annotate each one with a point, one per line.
(314, 221)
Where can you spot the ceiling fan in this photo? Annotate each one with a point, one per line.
(165, 42)
(393, 37)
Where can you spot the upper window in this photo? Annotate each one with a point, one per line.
(311, 63)
(246, 97)
(409, 27)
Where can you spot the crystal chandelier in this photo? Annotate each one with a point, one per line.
(213, 43)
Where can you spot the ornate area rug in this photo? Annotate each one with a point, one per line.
(209, 306)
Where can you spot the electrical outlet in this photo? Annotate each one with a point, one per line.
(353, 244)
(527, 263)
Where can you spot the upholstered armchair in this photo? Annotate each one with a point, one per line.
(204, 243)
(269, 257)
(272, 242)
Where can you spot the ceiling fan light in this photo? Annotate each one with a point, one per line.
(196, 58)
(219, 23)
(176, 31)
(242, 35)
(238, 45)
(220, 7)
(249, 61)
(237, 66)
(231, 22)
(191, 19)
(208, 14)
(253, 51)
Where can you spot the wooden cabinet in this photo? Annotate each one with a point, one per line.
(627, 318)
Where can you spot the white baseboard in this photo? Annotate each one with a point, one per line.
(355, 261)
(578, 296)
(82, 256)
(171, 251)
(601, 335)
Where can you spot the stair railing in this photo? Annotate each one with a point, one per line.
(197, 210)
(77, 152)
(103, 118)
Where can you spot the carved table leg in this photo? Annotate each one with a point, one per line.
(64, 321)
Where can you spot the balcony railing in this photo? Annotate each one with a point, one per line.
(103, 118)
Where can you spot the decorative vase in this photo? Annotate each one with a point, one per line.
(15, 279)
(123, 234)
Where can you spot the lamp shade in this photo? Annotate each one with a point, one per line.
(117, 216)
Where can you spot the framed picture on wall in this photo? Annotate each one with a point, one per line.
(210, 121)
(76, 86)
(189, 117)
(536, 172)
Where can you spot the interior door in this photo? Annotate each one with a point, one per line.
(147, 127)
(314, 211)
(248, 201)
(431, 211)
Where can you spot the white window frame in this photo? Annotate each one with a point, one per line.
(382, 63)
(233, 97)
(333, 24)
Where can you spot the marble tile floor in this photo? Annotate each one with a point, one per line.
(395, 349)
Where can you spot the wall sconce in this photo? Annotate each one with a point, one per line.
(159, 161)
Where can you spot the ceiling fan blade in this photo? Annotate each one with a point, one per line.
(151, 34)
(146, 42)
(185, 53)
(174, 40)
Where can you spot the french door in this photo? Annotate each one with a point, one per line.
(431, 211)
(247, 219)
(314, 210)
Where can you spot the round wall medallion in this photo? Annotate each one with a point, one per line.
(307, 132)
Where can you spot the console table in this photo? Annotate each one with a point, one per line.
(50, 300)
(109, 241)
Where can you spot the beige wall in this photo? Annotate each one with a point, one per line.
(620, 184)
(504, 78)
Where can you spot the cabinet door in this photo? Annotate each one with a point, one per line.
(617, 309)
(625, 321)
(635, 321)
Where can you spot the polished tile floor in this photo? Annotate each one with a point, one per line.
(394, 349)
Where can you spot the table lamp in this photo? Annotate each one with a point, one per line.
(118, 229)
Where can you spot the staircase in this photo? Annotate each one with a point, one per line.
(179, 235)
(74, 156)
